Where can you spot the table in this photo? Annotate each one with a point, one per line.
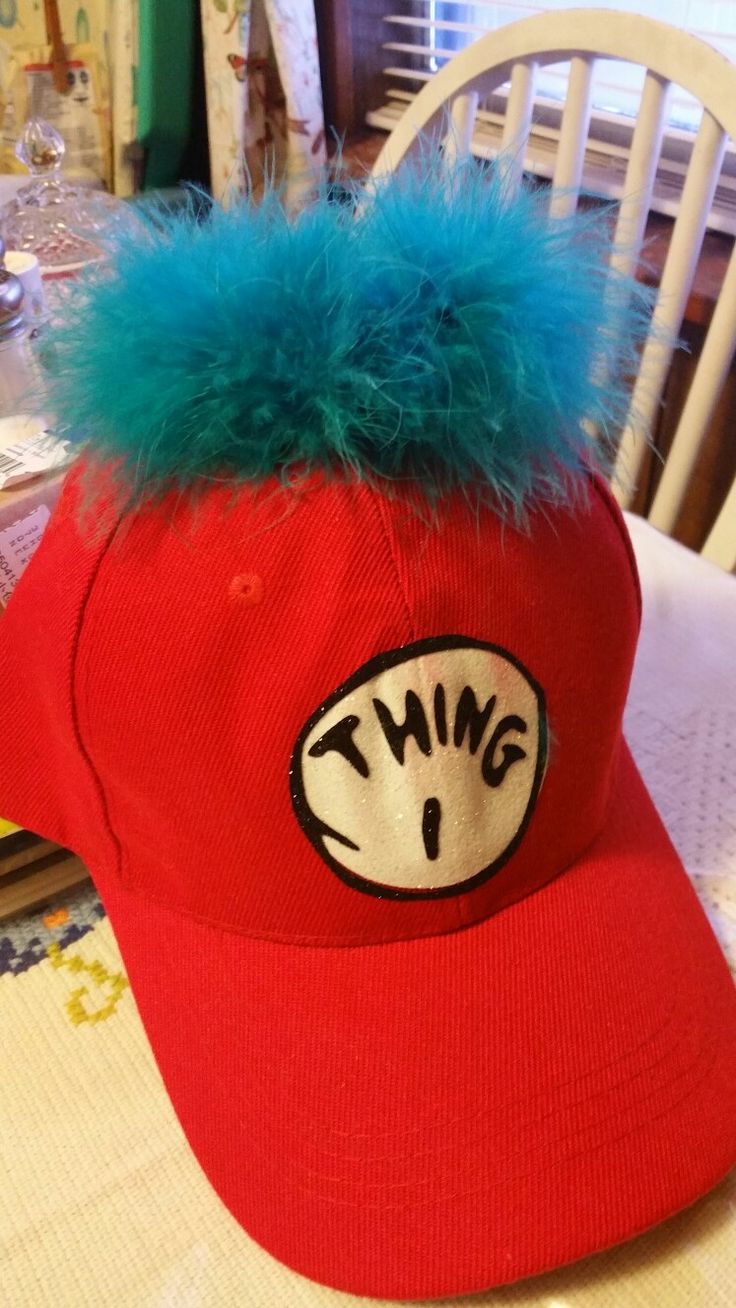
(102, 1203)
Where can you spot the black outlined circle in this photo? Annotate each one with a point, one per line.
(315, 829)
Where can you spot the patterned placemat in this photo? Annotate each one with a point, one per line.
(33, 936)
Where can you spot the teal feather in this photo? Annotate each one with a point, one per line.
(448, 336)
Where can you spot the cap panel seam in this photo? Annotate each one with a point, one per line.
(75, 679)
(379, 503)
(375, 500)
(604, 496)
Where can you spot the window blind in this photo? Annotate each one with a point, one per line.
(417, 37)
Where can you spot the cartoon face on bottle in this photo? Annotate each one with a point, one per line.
(78, 83)
(418, 776)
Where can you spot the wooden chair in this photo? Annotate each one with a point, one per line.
(513, 54)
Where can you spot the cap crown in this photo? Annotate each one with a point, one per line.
(318, 715)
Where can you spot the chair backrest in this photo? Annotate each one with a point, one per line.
(670, 56)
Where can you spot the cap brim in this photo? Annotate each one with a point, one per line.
(439, 1116)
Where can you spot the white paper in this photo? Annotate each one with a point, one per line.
(30, 456)
(17, 545)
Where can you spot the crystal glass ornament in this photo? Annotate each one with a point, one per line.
(66, 225)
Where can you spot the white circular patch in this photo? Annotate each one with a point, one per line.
(418, 776)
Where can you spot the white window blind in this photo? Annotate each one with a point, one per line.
(417, 37)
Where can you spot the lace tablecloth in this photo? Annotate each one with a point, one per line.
(101, 1202)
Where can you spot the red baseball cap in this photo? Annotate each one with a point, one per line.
(431, 993)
